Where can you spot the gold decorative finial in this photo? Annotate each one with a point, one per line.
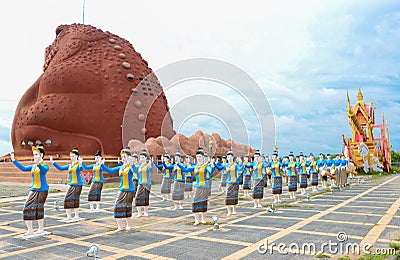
(276, 147)
(360, 97)
(349, 110)
(348, 99)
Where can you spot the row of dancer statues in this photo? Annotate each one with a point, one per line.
(183, 177)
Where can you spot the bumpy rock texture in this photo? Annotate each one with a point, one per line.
(80, 99)
(189, 145)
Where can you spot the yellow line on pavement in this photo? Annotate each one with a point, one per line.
(377, 230)
(248, 250)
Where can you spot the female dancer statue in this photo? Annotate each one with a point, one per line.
(94, 195)
(200, 198)
(126, 190)
(167, 176)
(144, 185)
(71, 200)
(34, 205)
(292, 176)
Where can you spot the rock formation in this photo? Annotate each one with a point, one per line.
(189, 145)
(80, 99)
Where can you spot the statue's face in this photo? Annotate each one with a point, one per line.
(177, 159)
(246, 159)
(291, 158)
(97, 159)
(134, 159)
(166, 159)
(199, 158)
(142, 159)
(256, 158)
(74, 157)
(124, 158)
(37, 157)
(187, 159)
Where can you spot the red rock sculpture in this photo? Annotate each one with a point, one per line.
(189, 145)
(80, 99)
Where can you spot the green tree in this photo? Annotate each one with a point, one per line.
(395, 156)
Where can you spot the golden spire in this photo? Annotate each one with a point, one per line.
(360, 97)
(349, 111)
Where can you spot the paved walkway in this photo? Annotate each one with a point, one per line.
(362, 214)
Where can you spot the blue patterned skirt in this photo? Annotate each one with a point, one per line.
(292, 183)
(166, 186)
(223, 180)
(189, 184)
(143, 196)
(123, 204)
(34, 205)
(232, 194)
(258, 189)
(303, 181)
(247, 182)
(276, 185)
(200, 200)
(314, 179)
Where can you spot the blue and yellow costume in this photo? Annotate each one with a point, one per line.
(167, 177)
(39, 171)
(189, 178)
(344, 171)
(200, 198)
(267, 176)
(178, 169)
(258, 180)
(276, 177)
(34, 205)
(72, 197)
(247, 172)
(233, 172)
(127, 173)
(97, 181)
(144, 184)
(313, 172)
(303, 175)
(127, 189)
(74, 173)
(292, 176)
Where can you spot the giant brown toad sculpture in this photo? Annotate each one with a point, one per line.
(80, 99)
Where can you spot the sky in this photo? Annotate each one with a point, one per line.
(304, 56)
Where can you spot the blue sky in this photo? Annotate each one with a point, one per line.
(304, 55)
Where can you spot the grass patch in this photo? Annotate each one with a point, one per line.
(375, 175)
(7, 191)
(373, 257)
(322, 256)
(54, 191)
(395, 246)
(243, 198)
(4, 204)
